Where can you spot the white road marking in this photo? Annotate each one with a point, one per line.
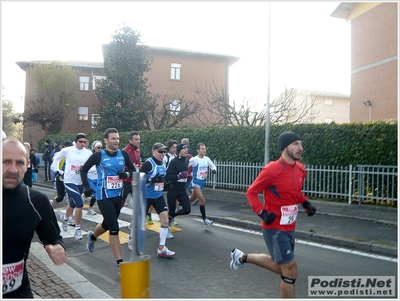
(317, 245)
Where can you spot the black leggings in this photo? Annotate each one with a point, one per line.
(110, 209)
(60, 190)
(183, 199)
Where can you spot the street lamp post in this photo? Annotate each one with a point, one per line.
(267, 120)
(368, 103)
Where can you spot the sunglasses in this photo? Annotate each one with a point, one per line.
(161, 152)
(82, 141)
(98, 147)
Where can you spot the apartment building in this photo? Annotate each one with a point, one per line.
(374, 59)
(173, 72)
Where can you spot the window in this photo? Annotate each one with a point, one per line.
(83, 113)
(95, 120)
(175, 107)
(175, 71)
(328, 102)
(96, 79)
(328, 119)
(84, 83)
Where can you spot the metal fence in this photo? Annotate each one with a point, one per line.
(361, 183)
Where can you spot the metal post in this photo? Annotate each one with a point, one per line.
(267, 127)
(135, 275)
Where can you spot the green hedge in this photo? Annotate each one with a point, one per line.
(373, 143)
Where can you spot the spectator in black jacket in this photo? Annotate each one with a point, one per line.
(47, 160)
(32, 166)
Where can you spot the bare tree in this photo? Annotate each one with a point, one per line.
(170, 112)
(289, 107)
(11, 120)
(216, 108)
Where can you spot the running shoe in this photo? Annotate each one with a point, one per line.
(148, 219)
(71, 222)
(170, 235)
(236, 254)
(207, 222)
(91, 211)
(171, 222)
(64, 223)
(78, 234)
(165, 252)
(195, 201)
(129, 241)
(90, 243)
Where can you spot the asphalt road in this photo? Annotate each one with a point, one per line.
(200, 268)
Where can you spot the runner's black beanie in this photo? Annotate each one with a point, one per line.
(287, 138)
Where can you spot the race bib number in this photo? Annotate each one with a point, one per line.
(203, 175)
(114, 182)
(288, 214)
(159, 186)
(12, 276)
(76, 169)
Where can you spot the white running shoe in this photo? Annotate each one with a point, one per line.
(78, 234)
(64, 223)
(236, 254)
(207, 222)
(165, 252)
(91, 211)
(90, 243)
(129, 242)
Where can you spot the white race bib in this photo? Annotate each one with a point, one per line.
(114, 182)
(76, 169)
(12, 276)
(203, 175)
(288, 214)
(159, 186)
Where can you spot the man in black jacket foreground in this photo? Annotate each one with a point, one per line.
(25, 211)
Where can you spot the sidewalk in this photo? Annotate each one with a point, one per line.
(362, 228)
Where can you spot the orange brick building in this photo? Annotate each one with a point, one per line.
(174, 71)
(374, 59)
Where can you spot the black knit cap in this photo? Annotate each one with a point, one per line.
(287, 138)
(179, 148)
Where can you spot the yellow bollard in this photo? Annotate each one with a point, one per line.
(135, 278)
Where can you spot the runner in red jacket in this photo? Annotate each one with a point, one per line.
(281, 183)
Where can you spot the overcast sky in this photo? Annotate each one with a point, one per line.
(309, 49)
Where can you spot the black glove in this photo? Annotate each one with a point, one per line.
(213, 171)
(87, 191)
(123, 175)
(36, 170)
(267, 217)
(309, 209)
(157, 179)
